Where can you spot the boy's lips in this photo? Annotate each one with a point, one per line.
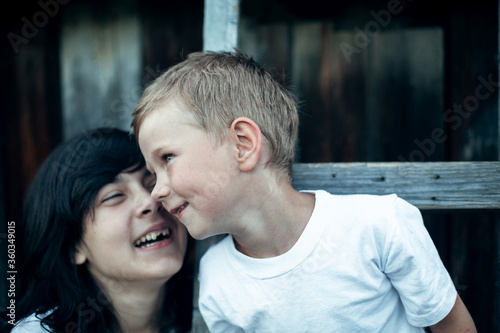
(178, 211)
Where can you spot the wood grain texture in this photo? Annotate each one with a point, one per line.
(432, 185)
(100, 66)
(220, 27)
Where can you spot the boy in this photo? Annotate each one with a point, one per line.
(219, 134)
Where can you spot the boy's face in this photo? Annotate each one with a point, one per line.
(195, 179)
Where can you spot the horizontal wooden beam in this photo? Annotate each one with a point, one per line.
(427, 185)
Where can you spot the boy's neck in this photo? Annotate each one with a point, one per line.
(276, 225)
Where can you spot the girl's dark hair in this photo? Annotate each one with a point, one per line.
(59, 199)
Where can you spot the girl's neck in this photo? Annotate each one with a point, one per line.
(137, 305)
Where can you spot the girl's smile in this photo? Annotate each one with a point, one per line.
(131, 236)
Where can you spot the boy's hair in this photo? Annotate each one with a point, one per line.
(218, 87)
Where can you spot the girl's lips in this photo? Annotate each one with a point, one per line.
(158, 245)
(151, 237)
(155, 236)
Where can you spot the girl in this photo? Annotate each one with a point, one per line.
(98, 249)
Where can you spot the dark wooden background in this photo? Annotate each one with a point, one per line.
(387, 101)
(383, 103)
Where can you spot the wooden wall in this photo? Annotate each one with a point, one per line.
(101, 64)
(366, 109)
(30, 116)
(398, 95)
(403, 88)
(83, 64)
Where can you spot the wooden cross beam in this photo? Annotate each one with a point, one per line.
(428, 185)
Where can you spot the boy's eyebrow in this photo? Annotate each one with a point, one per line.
(156, 152)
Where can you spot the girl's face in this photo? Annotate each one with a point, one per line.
(131, 238)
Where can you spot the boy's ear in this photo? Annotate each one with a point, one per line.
(248, 142)
(80, 257)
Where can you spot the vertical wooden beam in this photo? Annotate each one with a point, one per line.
(220, 25)
(100, 65)
(220, 33)
(407, 65)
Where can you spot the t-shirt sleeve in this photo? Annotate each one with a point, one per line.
(30, 324)
(415, 269)
(208, 297)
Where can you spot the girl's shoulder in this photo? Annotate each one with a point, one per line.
(30, 324)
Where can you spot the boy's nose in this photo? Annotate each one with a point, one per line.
(160, 191)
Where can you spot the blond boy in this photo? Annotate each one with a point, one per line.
(219, 134)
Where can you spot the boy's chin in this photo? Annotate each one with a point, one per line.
(200, 234)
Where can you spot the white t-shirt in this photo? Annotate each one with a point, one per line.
(29, 324)
(363, 263)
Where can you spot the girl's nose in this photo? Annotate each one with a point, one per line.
(147, 205)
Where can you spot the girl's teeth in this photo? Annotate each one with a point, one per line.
(151, 236)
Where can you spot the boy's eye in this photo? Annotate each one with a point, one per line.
(168, 157)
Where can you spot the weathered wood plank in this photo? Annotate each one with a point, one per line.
(220, 26)
(404, 97)
(472, 105)
(100, 65)
(269, 45)
(432, 185)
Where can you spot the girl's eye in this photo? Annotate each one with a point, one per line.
(112, 196)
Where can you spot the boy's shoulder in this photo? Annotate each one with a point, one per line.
(363, 210)
(216, 251)
(360, 202)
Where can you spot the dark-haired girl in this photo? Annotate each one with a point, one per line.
(98, 250)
